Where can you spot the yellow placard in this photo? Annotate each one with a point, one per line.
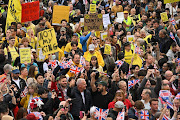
(40, 56)
(164, 17)
(107, 49)
(47, 41)
(92, 8)
(59, 13)
(25, 55)
(170, 1)
(130, 37)
(14, 12)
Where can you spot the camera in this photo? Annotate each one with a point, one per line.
(97, 74)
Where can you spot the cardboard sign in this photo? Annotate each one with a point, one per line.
(30, 11)
(130, 38)
(170, 1)
(93, 22)
(47, 41)
(40, 55)
(107, 49)
(164, 17)
(106, 20)
(92, 8)
(25, 55)
(82, 22)
(103, 35)
(120, 15)
(59, 13)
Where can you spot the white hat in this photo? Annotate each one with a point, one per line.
(119, 104)
(91, 47)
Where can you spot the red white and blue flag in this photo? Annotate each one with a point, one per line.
(173, 21)
(172, 36)
(129, 73)
(137, 50)
(101, 114)
(120, 116)
(82, 61)
(132, 83)
(169, 104)
(103, 73)
(75, 70)
(177, 96)
(178, 61)
(119, 63)
(165, 118)
(24, 92)
(165, 94)
(144, 114)
(65, 64)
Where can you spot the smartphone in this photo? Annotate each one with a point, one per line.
(81, 114)
(8, 76)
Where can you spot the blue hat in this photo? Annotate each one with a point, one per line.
(107, 5)
(16, 71)
(75, 34)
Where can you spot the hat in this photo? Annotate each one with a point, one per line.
(24, 29)
(127, 43)
(2, 3)
(102, 83)
(126, 12)
(131, 76)
(63, 29)
(31, 116)
(75, 34)
(33, 50)
(15, 70)
(91, 47)
(119, 104)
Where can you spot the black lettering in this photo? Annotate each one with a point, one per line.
(45, 41)
(45, 34)
(50, 47)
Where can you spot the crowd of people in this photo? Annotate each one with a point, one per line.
(82, 80)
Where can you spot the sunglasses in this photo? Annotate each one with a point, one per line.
(94, 39)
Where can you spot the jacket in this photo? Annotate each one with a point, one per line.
(131, 113)
(59, 91)
(77, 102)
(113, 114)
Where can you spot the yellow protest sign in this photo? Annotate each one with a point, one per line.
(47, 41)
(14, 12)
(170, 1)
(130, 37)
(59, 13)
(107, 49)
(103, 35)
(164, 17)
(40, 56)
(25, 55)
(92, 8)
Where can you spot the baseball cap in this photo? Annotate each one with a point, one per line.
(102, 83)
(33, 50)
(75, 34)
(16, 71)
(91, 47)
(31, 116)
(63, 29)
(127, 43)
(126, 12)
(24, 29)
(119, 104)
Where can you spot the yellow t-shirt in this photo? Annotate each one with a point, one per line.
(68, 47)
(17, 40)
(128, 56)
(31, 26)
(14, 53)
(33, 42)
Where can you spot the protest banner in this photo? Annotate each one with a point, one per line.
(120, 15)
(82, 22)
(92, 8)
(130, 37)
(14, 12)
(59, 13)
(93, 22)
(103, 35)
(47, 41)
(106, 20)
(30, 11)
(25, 55)
(40, 56)
(107, 49)
(164, 17)
(170, 1)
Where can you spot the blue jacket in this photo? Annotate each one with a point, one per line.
(28, 66)
(83, 41)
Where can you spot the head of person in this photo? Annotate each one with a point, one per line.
(178, 116)
(23, 32)
(103, 12)
(4, 110)
(156, 24)
(119, 105)
(25, 41)
(30, 32)
(168, 75)
(102, 86)
(81, 84)
(42, 92)
(119, 96)
(122, 86)
(74, 37)
(94, 40)
(32, 88)
(8, 33)
(11, 40)
(144, 17)
(176, 102)
(142, 33)
(15, 73)
(7, 68)
(76, 58)
(64, 105)
(146, 94)
(154, 104)
(42, 25)
(22, 113)
(24, 71)
(127, 46)
(166, 66)
(94, 62)
(138, 105)
(141, 74)
(162, 33)
(133, 11)
(126, 13)
(91, 48)
(62, 81)
(165, 85)
(174, 47)
(117, 2)
(13, 31)
(39, 78)
(149, 59)
(74, 45)
(33, 71)
(87, 66)
(19, 25)
(63, 31)
(64, 22)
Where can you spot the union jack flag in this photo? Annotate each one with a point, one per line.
(178, 61)
(165, 118)
(53, 63)
(105, 74)
(169, 104)
(165, 94)
(120, 116)
(132, 83)
(24, 92)
(75, 69)
(177, 96)
(67, 64)
(136, 113)
(172, 36)
(119, 63)
(144, 114)
(82, 61)
(173, 21)
(129, 73)
(137, 50)
(101, 114)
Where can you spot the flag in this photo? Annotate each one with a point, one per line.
(67, 64)
(82, 61)
(137, 50)
(136, 113)
(172, 36)
(14, 12)
(120, 116)
(24, 92)
(119, 63)
(132, 83)
(165, 94)
(129, 73)
(61, 65)
(75, 69)
(144, 114)
(173, 21)
(169, 104)
(103, 73)
(165, 118)
(177, 96)
(178, 61)
(101, 114)
(52, 63)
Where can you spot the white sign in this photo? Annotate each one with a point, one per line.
(106, 20)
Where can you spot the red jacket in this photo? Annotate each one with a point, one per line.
(126, 102)
(59, 91)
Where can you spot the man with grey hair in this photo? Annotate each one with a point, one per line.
(81, 98)
(7, 69)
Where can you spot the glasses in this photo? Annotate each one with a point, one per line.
(165, 84)
(94, 39)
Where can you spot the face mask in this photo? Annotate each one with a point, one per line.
(53, 57)
(112, 16)
(36, 72)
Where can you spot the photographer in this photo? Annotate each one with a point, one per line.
(62, 38)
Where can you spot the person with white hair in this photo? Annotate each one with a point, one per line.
(81, 98)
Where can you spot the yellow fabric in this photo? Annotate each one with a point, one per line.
(137, 60)
(128, 22)
(88, 55)
(116, 9)
(146, 38)
(134, 22)
(32, 26)
(128, 56)
(89, 42)
(16, 41)
(25, 100)
(13, 52)
(48, 25)
(61, 54)
(33, 41)
(72, 74)
(68, 47)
